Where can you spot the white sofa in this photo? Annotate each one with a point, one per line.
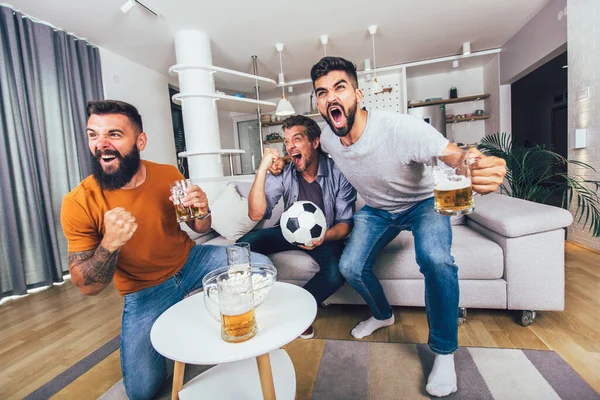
(510, 254)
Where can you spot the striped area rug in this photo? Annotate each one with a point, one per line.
(357, 370)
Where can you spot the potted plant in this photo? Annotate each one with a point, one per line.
(537, 174)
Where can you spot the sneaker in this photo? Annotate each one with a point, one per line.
(309, 333)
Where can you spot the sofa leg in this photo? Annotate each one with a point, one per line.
(462, 315)
(527, 317)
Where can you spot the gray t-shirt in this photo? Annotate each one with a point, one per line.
(386, 164)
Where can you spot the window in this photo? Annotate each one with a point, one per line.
(247, 139)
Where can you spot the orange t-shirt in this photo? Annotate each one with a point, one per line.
(157, 249)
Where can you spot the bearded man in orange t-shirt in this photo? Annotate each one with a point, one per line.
(120, 225)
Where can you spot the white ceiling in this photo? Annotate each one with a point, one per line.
(409, 30)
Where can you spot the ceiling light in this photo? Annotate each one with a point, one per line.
(376, 87)
(127, 6)
(455, 64)
(284, 107)
(466, 48)
(324, 41)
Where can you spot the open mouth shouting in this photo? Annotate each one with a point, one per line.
(337, 116)
(107, 157)
(296, 158)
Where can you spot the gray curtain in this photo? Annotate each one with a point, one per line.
(46, 78)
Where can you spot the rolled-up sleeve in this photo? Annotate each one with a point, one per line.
(273, 192)
(345, 201)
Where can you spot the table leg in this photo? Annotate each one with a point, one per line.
(177, 379)
(266, 376)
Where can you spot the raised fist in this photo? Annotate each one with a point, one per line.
(269, 157)
(119, 227)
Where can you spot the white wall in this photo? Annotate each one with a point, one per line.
(468, 82)
(505, 109)
(584, 97)
(491, 85)
(148, 91)
(540, 40)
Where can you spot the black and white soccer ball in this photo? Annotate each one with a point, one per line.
(303, 223)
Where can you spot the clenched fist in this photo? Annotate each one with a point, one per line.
(119, 227)
(270, 156)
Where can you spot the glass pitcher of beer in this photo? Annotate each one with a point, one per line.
(452, 190)
(236, 305)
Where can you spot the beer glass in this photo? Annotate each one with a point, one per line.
(238, 256)
(452, 191)
(178, 192)
(236, 305)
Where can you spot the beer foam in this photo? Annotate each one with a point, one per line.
(444, 182)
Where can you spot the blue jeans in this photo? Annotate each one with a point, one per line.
(325, 282)
(144, 370)
(373, 230)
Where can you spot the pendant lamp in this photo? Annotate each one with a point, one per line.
(376, 87)
(284, 107)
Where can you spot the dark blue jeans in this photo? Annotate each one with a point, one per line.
(373, 230)
(144, 370)
(325, 282)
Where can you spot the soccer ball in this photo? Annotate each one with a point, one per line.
(302, 223)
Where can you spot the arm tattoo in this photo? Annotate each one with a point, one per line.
(96, 266)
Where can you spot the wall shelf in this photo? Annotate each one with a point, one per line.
(449, 101)
(275, 123)
(222, 152)
(234, 80)
(229, 103)
(468, 119)
(273, 141)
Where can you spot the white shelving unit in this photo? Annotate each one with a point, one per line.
(229, 103)
(227, 78)
(222, 152)
(235, 80)
(200, 101)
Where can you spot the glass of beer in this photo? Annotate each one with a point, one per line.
(452, 191)
(238, 256)
(236, 305)
(179, 190)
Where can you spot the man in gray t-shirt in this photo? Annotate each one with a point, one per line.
(383, 156)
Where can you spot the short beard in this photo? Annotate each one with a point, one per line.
(307, 164)
(129, 165)
(341, 132)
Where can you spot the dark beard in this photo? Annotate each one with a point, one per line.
(128, 167)
(349, 120)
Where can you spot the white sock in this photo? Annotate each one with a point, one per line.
(442, 379)
(365, 328)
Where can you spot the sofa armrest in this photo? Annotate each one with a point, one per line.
(512, 217)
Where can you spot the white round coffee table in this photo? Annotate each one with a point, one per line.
(187, 334)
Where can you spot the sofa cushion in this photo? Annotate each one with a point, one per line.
(243, 189)
(230, 214)
(476, 256)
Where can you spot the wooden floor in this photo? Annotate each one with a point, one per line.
(43, 334)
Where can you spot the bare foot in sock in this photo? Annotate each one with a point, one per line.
(442, 379)
(369, 326)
